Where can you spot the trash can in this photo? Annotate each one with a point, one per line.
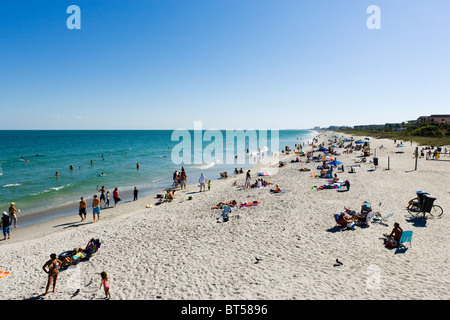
(375, 161)
(428, 203)
(438, 155)
(421, 195)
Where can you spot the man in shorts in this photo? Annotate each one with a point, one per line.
(12, 214)
(6, 224)
(102, 195)
(96, 207)
(82, 209)
(202, 182)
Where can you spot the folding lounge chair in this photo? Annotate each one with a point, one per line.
(379, 219)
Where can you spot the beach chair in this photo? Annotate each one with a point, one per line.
(406, 237)
(338, 223)
(380, 219)
(92, 248)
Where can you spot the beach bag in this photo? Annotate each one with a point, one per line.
(391, 243)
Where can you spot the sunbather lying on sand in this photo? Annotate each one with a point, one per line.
(304, 169)
(220, 205)
(328, 186)
(77, 253)
(276, 190)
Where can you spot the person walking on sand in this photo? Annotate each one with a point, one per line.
(82, 209)
(53, 270)
(5, 223)
(105, 284)
(202, 182)
(12, 214)
(135, 194)
(96, 208)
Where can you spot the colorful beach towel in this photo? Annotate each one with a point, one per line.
(4, 273)
(250, 204)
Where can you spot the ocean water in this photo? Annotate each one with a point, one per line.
(30, 159)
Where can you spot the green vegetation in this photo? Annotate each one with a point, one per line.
(427, 131)
(423, 133)
(401, 136)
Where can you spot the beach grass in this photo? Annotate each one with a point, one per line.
(421, 141)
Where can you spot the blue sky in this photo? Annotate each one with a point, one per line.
(163, 64)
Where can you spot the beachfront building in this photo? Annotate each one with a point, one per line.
(393, 127)
(434, 119)
(370, 127)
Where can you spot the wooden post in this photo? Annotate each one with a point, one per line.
(417, 154)
(388, 163)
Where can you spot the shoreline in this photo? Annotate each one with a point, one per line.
(31, 216)
(61, 217)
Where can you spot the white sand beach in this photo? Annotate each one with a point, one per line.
(178, 250)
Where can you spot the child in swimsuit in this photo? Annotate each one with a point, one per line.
(105, 284)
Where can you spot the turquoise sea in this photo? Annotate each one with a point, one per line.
(30, 159)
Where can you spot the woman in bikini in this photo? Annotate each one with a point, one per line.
(53, 270)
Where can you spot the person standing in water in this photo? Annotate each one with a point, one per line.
(135, 194)
(116, 197)
(12, 214)
(102, 195)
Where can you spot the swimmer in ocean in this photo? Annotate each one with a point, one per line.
(57, 175)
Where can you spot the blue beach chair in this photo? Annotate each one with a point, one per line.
(406, 237)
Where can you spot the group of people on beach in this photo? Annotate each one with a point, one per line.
(52, 267)
(179, 179)
(97, 202)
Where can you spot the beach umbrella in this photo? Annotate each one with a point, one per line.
(334, 145)
(348, 139)
(263, 174)
(334, 163)
(327, 158)
(359, 142)
(322, 149)
(367, 138)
